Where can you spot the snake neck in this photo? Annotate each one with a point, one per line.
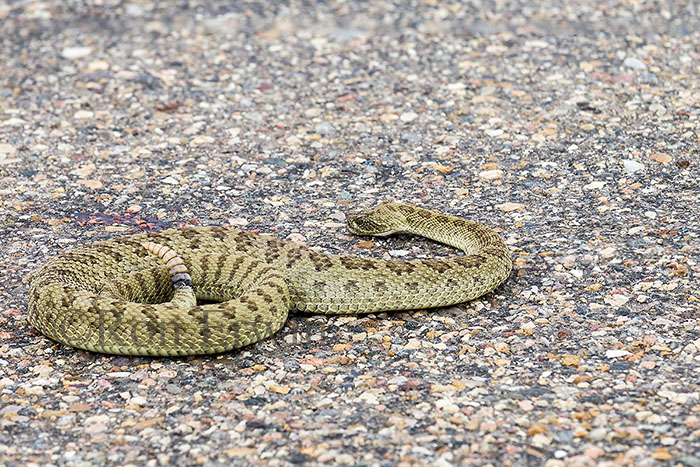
(469, 236)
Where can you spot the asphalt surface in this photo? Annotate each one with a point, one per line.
(570, 127)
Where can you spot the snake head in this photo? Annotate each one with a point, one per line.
(382, 220)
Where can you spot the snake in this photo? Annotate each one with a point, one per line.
(211, 289)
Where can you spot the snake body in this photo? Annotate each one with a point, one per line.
(226, 288)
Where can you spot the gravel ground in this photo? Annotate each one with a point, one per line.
(572, 127)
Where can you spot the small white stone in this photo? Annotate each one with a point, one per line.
(594, 185)
(398, 380)
(14, 121)
(66, 420)
(399, 252)
(238, 221)
(369, 397)
(537, 44)
(133, 9)
(296, 237)
(76, 52)
(408, 116)
(491, 174)
(657, 108)
(83, 115)
(650, 214)
(616, 353)
(98, 65)
(508, 207)
(654, 419)
(324, 128)
(447, 405)
(201, 140)
(608, 252)
(678, 397)
(457, 87)
(344, 459)
(494, 132)
(634, 63)
(138, 400)
(631, 166)
(617, 300)
(313, 112)
(413, 344)
(194, 128)
(96, 419)
(6, 149)
(541, 440)
(338, 216)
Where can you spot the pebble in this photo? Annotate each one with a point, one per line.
(634, 63)
(14, 121)
(616, 353)
(338, 216)
(66, 420)
(202, 140)
(313, 112)
(83, 115)
(408, 116)
(173, 388)
(632, 166)
(6, 149)
(617, 300)
(138, 400)
(608, 252)
(411, 137)
(98, 65)
(597, 185)
(509, 207)
(325, 128)
(491, 174)
(76, 52)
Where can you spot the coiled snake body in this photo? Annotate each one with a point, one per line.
(118, 297)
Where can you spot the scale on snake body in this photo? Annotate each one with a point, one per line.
(206, 290)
